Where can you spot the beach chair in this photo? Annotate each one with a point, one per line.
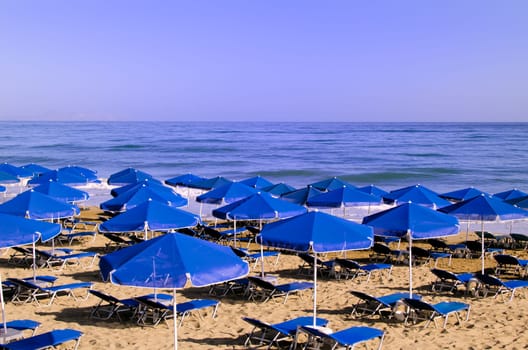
(157, 311)
(352, 269)
(419, 310)
(509, 264)
(450, 281)
(61, 258)
(307, 265)
(236, 287)
(27, 291)
(21, 256)
(260, 289)
(491, 284)
(383, 253)
(254, 258)
(370, 305)
(46, 340)
(277, 334)
(70, 236)
(474, 250)
(23, 325)
(491, 240)
(344, 339)
(116, 241)
(519, 240)
(110, 306)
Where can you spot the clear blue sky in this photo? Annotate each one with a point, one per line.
(287, 60)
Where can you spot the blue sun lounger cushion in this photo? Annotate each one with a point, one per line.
(276, 333)
(46, 340)
(265, 290)
(421, 310)
(346, 338)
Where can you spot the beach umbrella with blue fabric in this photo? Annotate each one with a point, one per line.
(372, 189)
(317, 233)
(259, 206)
(412, 221)
(150, 215)
(511, 194)
(329, 184)
(520, 202)
(301, 196)
(16, 231)
(64, 177)
(485, 208)
(155, 184)
(172, 261)
(62, 192)
(35, 169)
(15, 170)
(278, 189)
(209, 184)
(89, 174)
(417, 194)
(343, 197)
(7, 178)
(133, 198)
(463, 194)
(229, 193)
(257, 182)
(129, 176)
(35, 205)
(184, 180)
(3, 188)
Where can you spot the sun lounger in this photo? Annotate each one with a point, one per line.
(489, 283)
(450, 281)
(519, 240)
(421, 310)
(276, 334)
(21, 256)
(46, 340)
(53, 259)
(71, 236)
(509, 264)
(368, 304)
(382, 252)
(28, 291)
(255, 257)
(110, 306)
(116, 241)
(352, 269)
(264, 290)
(323, 267)
(347, 338)
(22, 325)
(157, 311)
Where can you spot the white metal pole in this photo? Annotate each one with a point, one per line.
(175, 319)
(410, 264)
(315, 292)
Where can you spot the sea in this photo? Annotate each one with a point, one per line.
(492, 157)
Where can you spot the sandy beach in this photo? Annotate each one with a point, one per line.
(493, 323)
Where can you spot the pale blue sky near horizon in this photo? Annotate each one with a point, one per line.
(264, 60)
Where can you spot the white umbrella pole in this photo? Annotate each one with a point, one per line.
(467, 230)
(262, 260)
(410, 264)
(3, 310)
(234, 231)
(482, 239)
(175, 319)
(34, 263)
(315, 292)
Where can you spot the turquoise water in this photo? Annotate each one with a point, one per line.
(442, 156)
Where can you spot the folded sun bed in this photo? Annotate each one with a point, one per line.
(368, 304)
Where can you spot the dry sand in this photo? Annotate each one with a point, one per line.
(493, 323)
